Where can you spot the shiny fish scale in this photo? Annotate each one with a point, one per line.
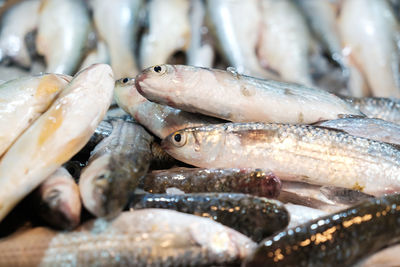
(339, 239)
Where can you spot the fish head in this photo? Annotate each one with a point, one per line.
(127, 96)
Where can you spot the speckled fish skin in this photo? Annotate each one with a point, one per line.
(340, 238)
(285, 41)
(387, 109)
(375, 129)
(117, 25)
(236, 97)
(114, 169)
(23, 100)
(150, 237)
(196, 180)
(58, 200)
(292, 152)
(159, 119)
(169, 31)
(62, 33)
(55, 136)
(379, 62)
(255, 217)
(16, 23)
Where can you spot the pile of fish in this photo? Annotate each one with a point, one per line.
(148, 133)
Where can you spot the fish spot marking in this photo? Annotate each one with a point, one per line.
(245, 91)
(287, 92)
(301, 117)
(52, 123)
(48, 85)
(358, 187)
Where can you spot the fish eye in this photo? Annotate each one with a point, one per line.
(179, 139)
(125, 80)
(160, 69)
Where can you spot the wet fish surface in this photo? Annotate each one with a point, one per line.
(239, 98)
(196, 180)
(150, 237)
(341, 238)
(301, 214)
(292, 152)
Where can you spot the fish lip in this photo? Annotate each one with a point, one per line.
(140, 78)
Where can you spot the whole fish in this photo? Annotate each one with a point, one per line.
(387, 109)
(58, 200)
(378, 63)
(159, 119)
(117, 25)
(196, 180)
(168, 31)
(388, 257)
(255, 217)
(301, 214)
(62, 33)
(150, 237)
(285, 41)
(114, 169)
(375, 129)
(99, 54)
(56, 136)
(338, 239)
(15, 24)
(236, 97)
(23, 100)
(292, 152)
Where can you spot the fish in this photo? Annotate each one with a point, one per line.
(388, 257)
(238, 98)
(149, 237)
(168, 31)
(387, 109)
(338, 239)
(285, 42)
(256, 182)
(55, 136)
(301, 214)
(375, 129)
(301, 153)
(16, 22)
(58, 202)
(376, 62)
(255, 217)
(159, 158)
(63, 29)
(161, 120)
(118, 25)
(99, 54)
(114, 169)
(23, 100)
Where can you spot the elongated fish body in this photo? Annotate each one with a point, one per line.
(16, 23)
(238, 98)
(255, 217)
(196, 180)
(56, 136)
(377, 62)
(387, 109)
(340, 238)
(115, 167)
(59, 202)
(99, 54)
(159, 119)
(23, 100)
(168, 32)
(149, 237)
(62, 33)
(285, 41)
(388, 257)
(292, 152)
(117, 25)
(301, 214)
(375, 129)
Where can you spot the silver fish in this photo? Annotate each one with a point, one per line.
(236, 97)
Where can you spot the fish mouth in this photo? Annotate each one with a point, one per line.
(138, 80)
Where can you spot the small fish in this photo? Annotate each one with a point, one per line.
(236, 97)
(117, 25)
(255, 217)
(149, 237)
(159, 119)
(338, 239)
(18, 20)
(55, 136)
(23, 100)
(62, 33)
(196, 180)
(301, 214)
(58, 200)
(292, 152)
(168, 31)
(114, 169)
